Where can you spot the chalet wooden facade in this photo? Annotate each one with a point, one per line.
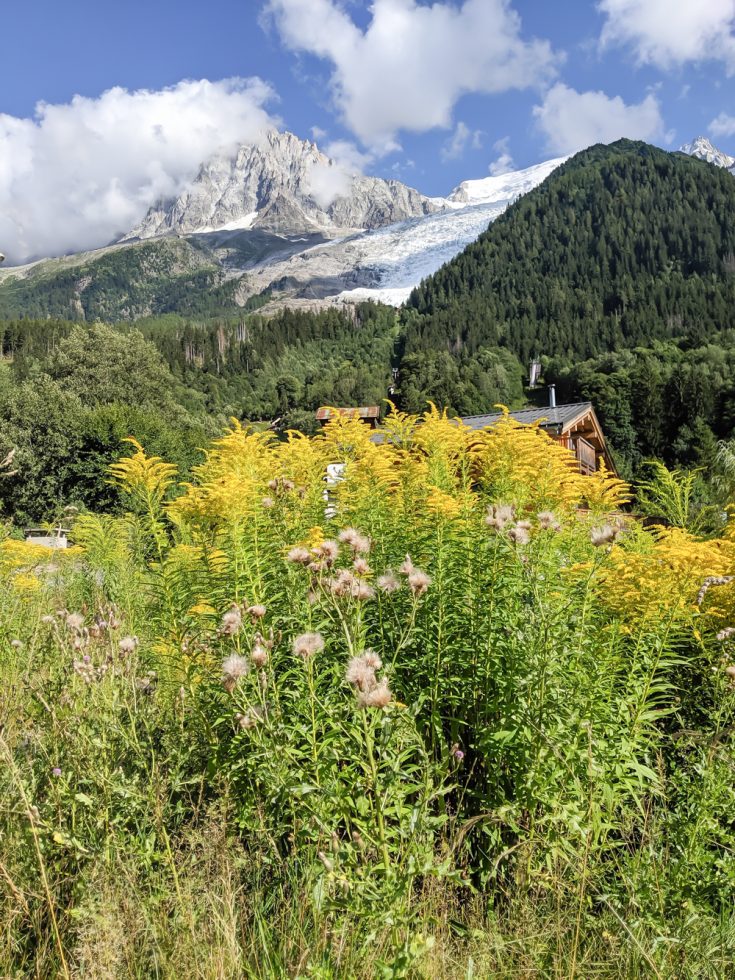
(575, 426)
(369, 414)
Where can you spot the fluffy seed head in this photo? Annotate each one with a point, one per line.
(603, 535)
(362, 591)
(250, 719)
(519, 534)
(360, 673)
(419, 582)
(407, 566)
(307, 644)
(361, 566)
(372, 659)
(498, 515)
(268, 502)
(299, 556)
(342, 583)
(231, 622)
(328, 550)
(388, 583)
(128, 644)
(547, 520)
(359, 543)
(74, 622)
(378, 697)
(259, 655)
(256, 612)
(233, 668)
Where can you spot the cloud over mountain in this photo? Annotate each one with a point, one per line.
(409, 66)
(572, 120)
(79, 174)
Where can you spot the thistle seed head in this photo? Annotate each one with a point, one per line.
(378, 697)
(419, 582)
(259, 655)
(606, 534)
(388, 582)
(498, 515)
(299, 556)
(328, 551)
(74, 622)
(360, 673)
(547, 520)
(308, 644)
(362, 591)
(407, 566)
(128, 644)
(361, 566)
(231, 622)
(359, 542)
(519, 534)
(234, 668)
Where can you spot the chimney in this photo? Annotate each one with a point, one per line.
(534, 372)
(552, 396)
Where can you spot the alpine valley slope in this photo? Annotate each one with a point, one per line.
(278, 220)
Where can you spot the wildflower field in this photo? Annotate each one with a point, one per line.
(463, 718)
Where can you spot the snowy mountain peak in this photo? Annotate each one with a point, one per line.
(286, 185)
(504, 187)
(704, 150)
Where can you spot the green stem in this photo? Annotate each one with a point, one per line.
(376, 793)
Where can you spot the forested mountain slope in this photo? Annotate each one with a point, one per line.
(622, 245)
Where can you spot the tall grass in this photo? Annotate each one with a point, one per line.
(476, 722)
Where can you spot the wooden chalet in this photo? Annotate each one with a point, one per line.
(369, 414)
(575, 426)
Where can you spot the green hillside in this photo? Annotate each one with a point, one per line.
(143, 279)
(623, 245)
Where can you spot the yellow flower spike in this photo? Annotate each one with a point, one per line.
(142, 476)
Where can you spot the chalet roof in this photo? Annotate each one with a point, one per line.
(362, 412)
(561, 416)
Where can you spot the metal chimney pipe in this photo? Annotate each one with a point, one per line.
(552, 396)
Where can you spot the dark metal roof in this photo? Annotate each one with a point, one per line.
(561, 415)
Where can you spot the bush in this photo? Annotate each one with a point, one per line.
(453, 712)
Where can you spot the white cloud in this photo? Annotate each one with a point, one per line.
(504, 163)
(79, 174)
(667, 33)
(573, 120)
(412, 63)
(457, 143)
(318, 133)
(329, 181)
(722, 125)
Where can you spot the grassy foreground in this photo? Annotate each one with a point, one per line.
(460, 728)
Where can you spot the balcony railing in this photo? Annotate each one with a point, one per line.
(586, 456)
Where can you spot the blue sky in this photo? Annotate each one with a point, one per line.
(430, 93)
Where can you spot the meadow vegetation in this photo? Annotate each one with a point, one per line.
(464, 718)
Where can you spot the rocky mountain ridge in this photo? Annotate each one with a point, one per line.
(285, 185)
